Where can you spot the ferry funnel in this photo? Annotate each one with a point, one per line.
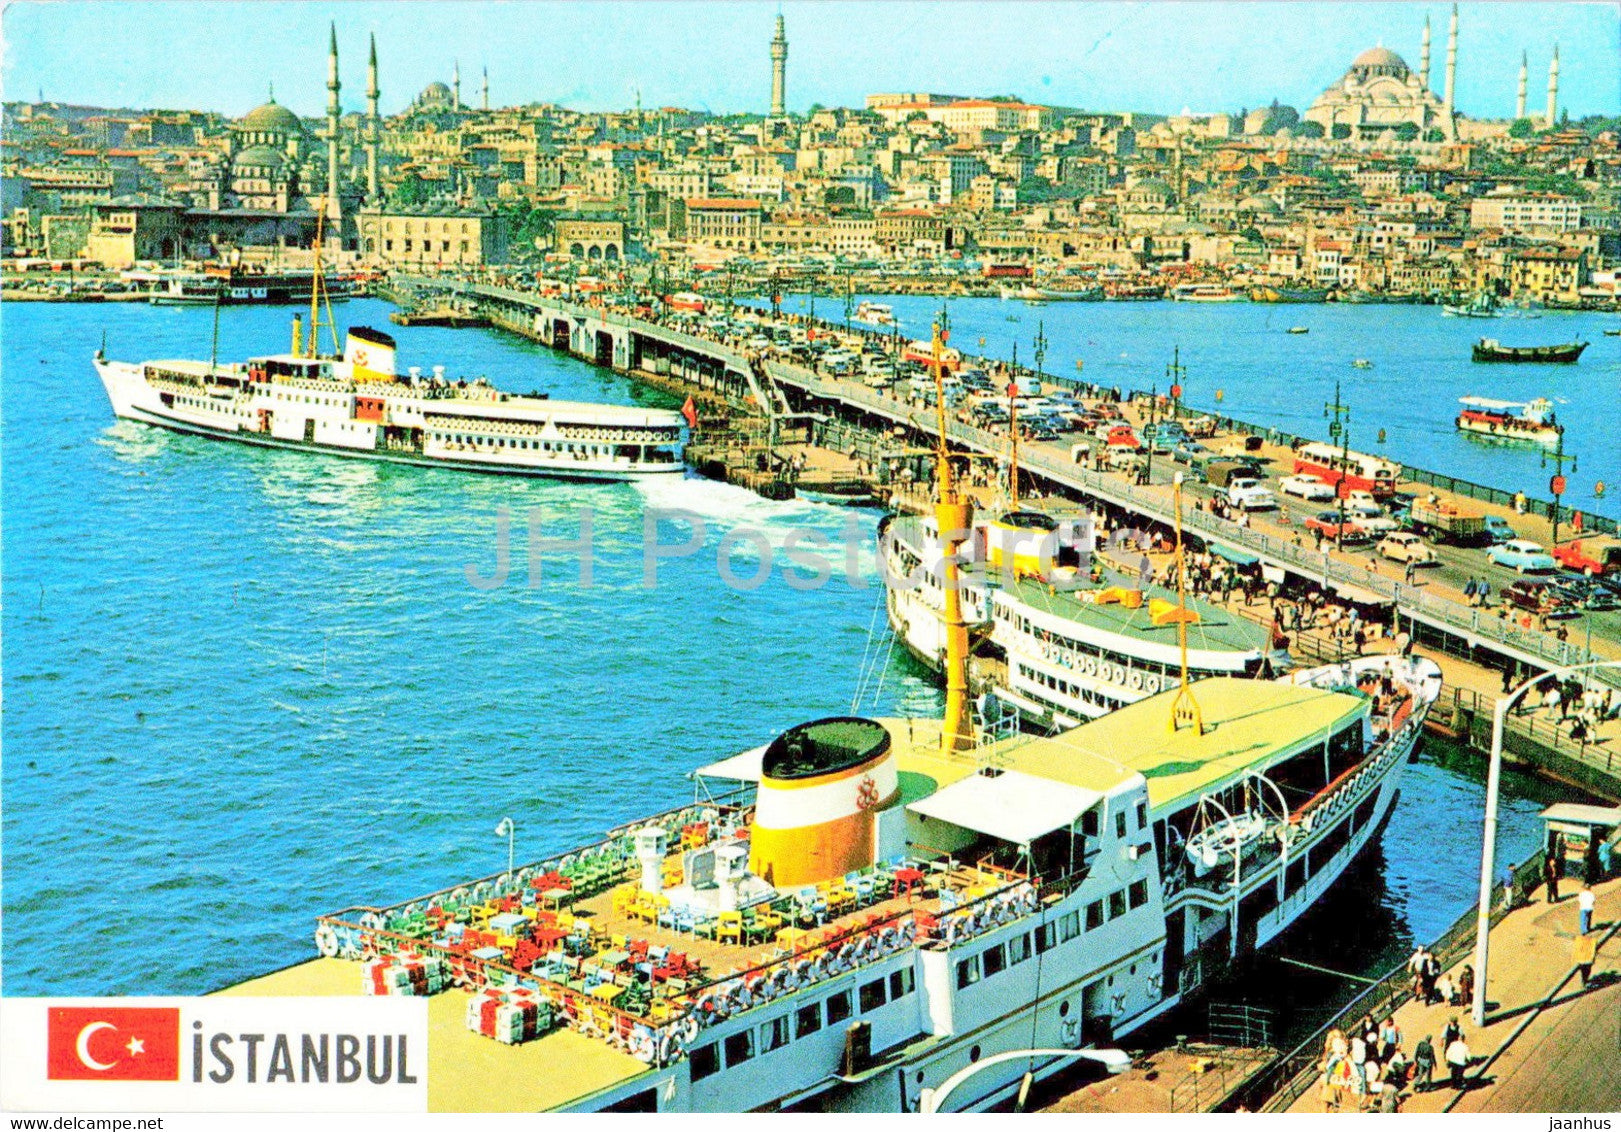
(371, 353)
(822, 785)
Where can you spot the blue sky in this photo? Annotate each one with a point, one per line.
(1156, 56)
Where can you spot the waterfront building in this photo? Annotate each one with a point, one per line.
(434, 235)
(724, 222)
(1548, 274)
(1536, 213)
(589, 237)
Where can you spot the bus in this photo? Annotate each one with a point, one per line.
(1348, 471)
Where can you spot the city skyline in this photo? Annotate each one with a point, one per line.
(1100, 56)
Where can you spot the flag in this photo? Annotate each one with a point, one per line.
(1013, 389)
(112, 1043)
(690, 411)
(1576, 522)
(810, 334)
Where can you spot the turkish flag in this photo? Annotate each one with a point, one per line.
(690, 411)
(113, 1043)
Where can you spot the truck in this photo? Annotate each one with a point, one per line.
(1447, 522)
(1249, 494)
(1590, 556)
(1219, 472)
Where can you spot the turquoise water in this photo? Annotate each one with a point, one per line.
(245, 687)
(1242, 362)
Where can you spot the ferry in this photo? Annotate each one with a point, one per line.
(357, 405)
(1205, 293)
(1266, 293)
(1491, 350)
(876, 314)
(235, 287)
(894, 915)
(1351, 471)
(1482, 305)
(1510, 420)
(1056, 646)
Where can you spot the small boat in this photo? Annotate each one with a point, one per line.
(1481, 306)
(1510, 420)
(1491, 350)
(1268, 294)
(837, 493)
(1616, 333)
(1300, 330)
(1362, 363)
(1132, 292)
(877, 314)
(1205, 293)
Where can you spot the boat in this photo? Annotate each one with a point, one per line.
(1132, 292)
(1491, 350)
(1362, 363)
(1205, 293)
(1270, 294)
(1613, 333)
(850, 915)
(241, 287)
(1300, 330)
(837, 493)
(1482, 305)
(876, 314)
(1057, 295)
(1053, 644)
(1510, 420)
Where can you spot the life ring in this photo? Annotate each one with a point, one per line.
(714, 1007)
(1151, 683)
(671, 1046)
(1088, 666)
(1070, 1032)
(740, 998)
(481, 891)
(326, 941)
(804, 973)
(908, 932)
(371, 921)
(567, 862)
(642, 1045)
(954, 929)
(1135, 680)
(826, 965)
(760, 987)
(783, 979)
(1031, 900)
(847, 956)
(458, 896)
(890, 940)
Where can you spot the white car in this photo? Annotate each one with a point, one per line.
(1402, 546)
(1249, 494)
(1361, 503)
(1377, 525)
(1306, 487)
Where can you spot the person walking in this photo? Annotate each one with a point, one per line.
(1423, 1065)
(1469, 591)
(1508, 888)
(1481, 592)
(1584, 909)
(1389, 1040)
(1451, 1034)
(1466, 985)
(1550, 878)
(1458, 1058)
(1583, 952)
(1432, 970)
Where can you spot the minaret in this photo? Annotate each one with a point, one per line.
(1424, 57)
(373, 124)
(779, 70)
(1525, 74)
(1451, 67)
(456, 86)
(485, 97)
(1553, 88)
(333, 212)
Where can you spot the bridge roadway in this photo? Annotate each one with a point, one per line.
(610, 337)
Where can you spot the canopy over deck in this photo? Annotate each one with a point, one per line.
(1010, 806)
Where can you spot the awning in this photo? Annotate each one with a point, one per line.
(739, 768)
(1579, 814)
(1236, 557)
(1358, 594)
(1012, 806)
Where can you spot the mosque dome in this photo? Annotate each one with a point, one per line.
(1379, 61)
(1259, 204)
(271, 117)
(260, 155)
(435, 93)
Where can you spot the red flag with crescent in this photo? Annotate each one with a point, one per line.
(112, 1043)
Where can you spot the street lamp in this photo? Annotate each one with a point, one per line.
(1556, 485)
(1339, 429)
(1174, 374)
(505, 828)
(929, 1101)
(1489, 849)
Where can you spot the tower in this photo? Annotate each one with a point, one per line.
(1553, 88)
(484, 98)
(456, 86)
(1452, 68)
(373, 124)
(333, 211)
(779, 70)
(1424, 57)
(1519, 99)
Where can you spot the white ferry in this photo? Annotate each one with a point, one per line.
(356, 405)
(875, 314)
(1205, 293)
(1061, 649)
(887, 916)
(1532, 420)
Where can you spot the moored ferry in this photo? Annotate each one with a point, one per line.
(1205, 293)
(1056, 646)
(1532, 420)
(357, 405)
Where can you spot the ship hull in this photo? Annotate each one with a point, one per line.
(1557, 355)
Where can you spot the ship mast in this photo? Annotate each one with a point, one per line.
(1184, 708)
(319, 296)
(1013, 431)
(953, 516)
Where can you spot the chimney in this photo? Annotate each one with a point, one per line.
(651, 843)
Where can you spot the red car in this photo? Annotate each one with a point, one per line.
(1327, 523)
(1538, 597)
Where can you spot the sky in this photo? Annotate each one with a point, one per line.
(1156, 56)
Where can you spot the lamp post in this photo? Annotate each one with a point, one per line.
(1339, 429)
(507, 829)
(1174, 373)
(1153, 425)
(1488, 851)
(1556, 485)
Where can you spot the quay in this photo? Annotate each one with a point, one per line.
(778, 399)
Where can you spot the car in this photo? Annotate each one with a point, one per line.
(1188, 451)
(1522, 555)
(1538, 597)
(1327, 524)
(1249, 494)
(1588, 593)
(1306, 487)
(1590, 556)
(1403, 546)
(1362, 503)
(1498, 529)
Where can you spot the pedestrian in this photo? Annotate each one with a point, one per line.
(1550, 700)
(1550, 878)
(1584, 909)
(1451, 1034)
(1415, 968)
(1407, 573)
(1458, 1058)
(1444, 990)
(1469, 591)
(1481, 592)
(1508, 888)
(1432, 971)
(1423, 1065)
(1606, 859)
(1583, 952)
(1361, 639)
(1466, 985)
(1389, 1040)
(1508, 677)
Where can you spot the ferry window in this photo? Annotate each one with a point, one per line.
(1117, 904)
(1018, 950)
(774, 1034)
(1069, 926)
(1089, 823)
(838, 1008)
(994, 960)
(1046, 937)
(900, 983)
(705, 1061)
(968, 972)
(739, 1048)
(1138, 893)
(872, 995)
(1120, 824)
(1142, 815)
(808, 1020)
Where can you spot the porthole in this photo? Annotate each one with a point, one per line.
(973, 1054)
(1063, 1009)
